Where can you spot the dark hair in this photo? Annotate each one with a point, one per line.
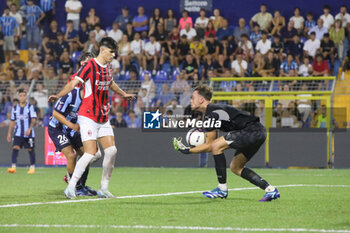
(326, 35)
(264, 33)
(290, 54)
(154, 14)
(244, 35)
(319, 55)
(205, 91)
(70, 21)
(109, 43)
(313, 33)
(326, 7)
(309, 13)
(202, 9)
(85, 56)
(185, 11)
(22, 91)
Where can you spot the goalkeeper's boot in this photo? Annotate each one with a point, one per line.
(104, 194)
(11, 170)
(215, 193)
(70, 193)
(269, 196)
(91, 192)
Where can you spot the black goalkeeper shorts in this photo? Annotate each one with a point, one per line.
(247, 140)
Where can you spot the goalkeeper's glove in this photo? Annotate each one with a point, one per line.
(179, 146)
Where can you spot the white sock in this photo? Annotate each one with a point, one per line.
(108, 165)
(32, 167)
(270, 188)
(223, 187)
(13, 165)
(97, 156)
(80, 167)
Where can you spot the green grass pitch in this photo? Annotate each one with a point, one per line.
(322, 204)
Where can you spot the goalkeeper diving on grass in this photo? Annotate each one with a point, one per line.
(244, 133)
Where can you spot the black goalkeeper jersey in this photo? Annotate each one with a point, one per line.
(230, 117)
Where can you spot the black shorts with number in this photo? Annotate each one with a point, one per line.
(23, 142)
(247, 140)
(62, 140)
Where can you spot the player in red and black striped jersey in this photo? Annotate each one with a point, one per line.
(96, 77)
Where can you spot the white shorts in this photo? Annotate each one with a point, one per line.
(91, 130)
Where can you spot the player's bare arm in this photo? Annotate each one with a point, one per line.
(12, 125)
(32, 124)
(66, 89)
(64, 121)
(206, 147)
(115, 88)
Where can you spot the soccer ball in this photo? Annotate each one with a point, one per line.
(195, 137)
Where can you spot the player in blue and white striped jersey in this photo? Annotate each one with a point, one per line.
(23, 116)
(33, 15)
(49, 8)
(9, 26)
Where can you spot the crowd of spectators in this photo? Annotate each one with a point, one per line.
(162, 56)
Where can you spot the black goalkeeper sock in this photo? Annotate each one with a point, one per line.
(220, 167)
(84, 176)
(254, 178)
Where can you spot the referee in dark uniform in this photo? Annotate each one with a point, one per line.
(244, 133)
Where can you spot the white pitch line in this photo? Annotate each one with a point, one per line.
(193, 228)
(164, 194)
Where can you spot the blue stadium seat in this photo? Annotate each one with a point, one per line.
(175, 73)
(166, 67)
(142, 75)
(161, 75)
(126, 76)
(75, 56)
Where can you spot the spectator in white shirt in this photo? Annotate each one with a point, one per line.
(17, 16)
(311, 45)
(298, 20)
(305, 70)
(115, 66)
(201, 23)
(152, 50)
(73, 9)
(328, 19)
(99, 33)
(343, 15)
(239, 66)
(263, 45)
(188, 31)
(319, 29)
(137, 48)
(115, 32)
